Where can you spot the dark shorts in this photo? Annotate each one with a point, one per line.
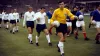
(30, 24)
(40, 27)
(0, 20)
(74, 24)
(13, 21)
(5, 21)
(62, 28)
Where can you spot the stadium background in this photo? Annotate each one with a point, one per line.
(22, 5)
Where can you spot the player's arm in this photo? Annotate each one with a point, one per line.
(72, 17)
(8, 17)
(24, 21)
(46, 15)
(91, 16)
(18, 17)
(2, 17)
(37, 17)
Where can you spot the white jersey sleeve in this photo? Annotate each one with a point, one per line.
(24, 20)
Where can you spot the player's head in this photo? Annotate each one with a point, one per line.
(61, 4)
(30, 9)
(98, 6)
(42, 9)
(82, 8)
(51, 9)
(76, 8)
(15, 10)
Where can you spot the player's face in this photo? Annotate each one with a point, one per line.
(99, 8)
(42, 10)
(51, 9)
(61, 5)
(15, 10)
(30, 9)
(75, 9)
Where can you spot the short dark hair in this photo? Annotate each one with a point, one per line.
(42, 7)
(76, 7)
(97, 5)
(60, 2)
(81, 7)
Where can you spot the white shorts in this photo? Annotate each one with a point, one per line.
(93, 21)
(80, 23)
(97, 24)
(48, 20)
(69, 23)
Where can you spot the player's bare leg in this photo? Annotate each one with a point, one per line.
(30, 31)
(47, 37)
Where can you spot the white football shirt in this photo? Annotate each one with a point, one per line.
(41, 16)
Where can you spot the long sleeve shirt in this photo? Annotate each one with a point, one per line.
(41, 16)
(16, 15)
(60, 15)
(11, 16)
(28, 16)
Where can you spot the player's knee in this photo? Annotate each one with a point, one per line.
(46, 33)
(62, 39)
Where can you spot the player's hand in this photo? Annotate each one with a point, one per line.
(53, 25)
(38, 19)
(76, 17)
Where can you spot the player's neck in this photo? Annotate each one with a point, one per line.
(41, 11)
(30, 11)
(61, 8)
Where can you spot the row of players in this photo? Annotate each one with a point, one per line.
(12, 17)
(63, 16)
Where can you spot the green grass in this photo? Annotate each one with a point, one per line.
(18, 45)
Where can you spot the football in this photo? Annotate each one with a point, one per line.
(56, 23)
(81, 17)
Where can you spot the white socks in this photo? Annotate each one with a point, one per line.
(48, 38)
(13, 29)
(37, 39)
(16, 27)
(30, 37)
(7, 25)
(61, 46)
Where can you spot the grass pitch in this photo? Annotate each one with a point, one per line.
(18, 45)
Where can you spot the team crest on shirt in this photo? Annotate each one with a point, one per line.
(65, 14)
